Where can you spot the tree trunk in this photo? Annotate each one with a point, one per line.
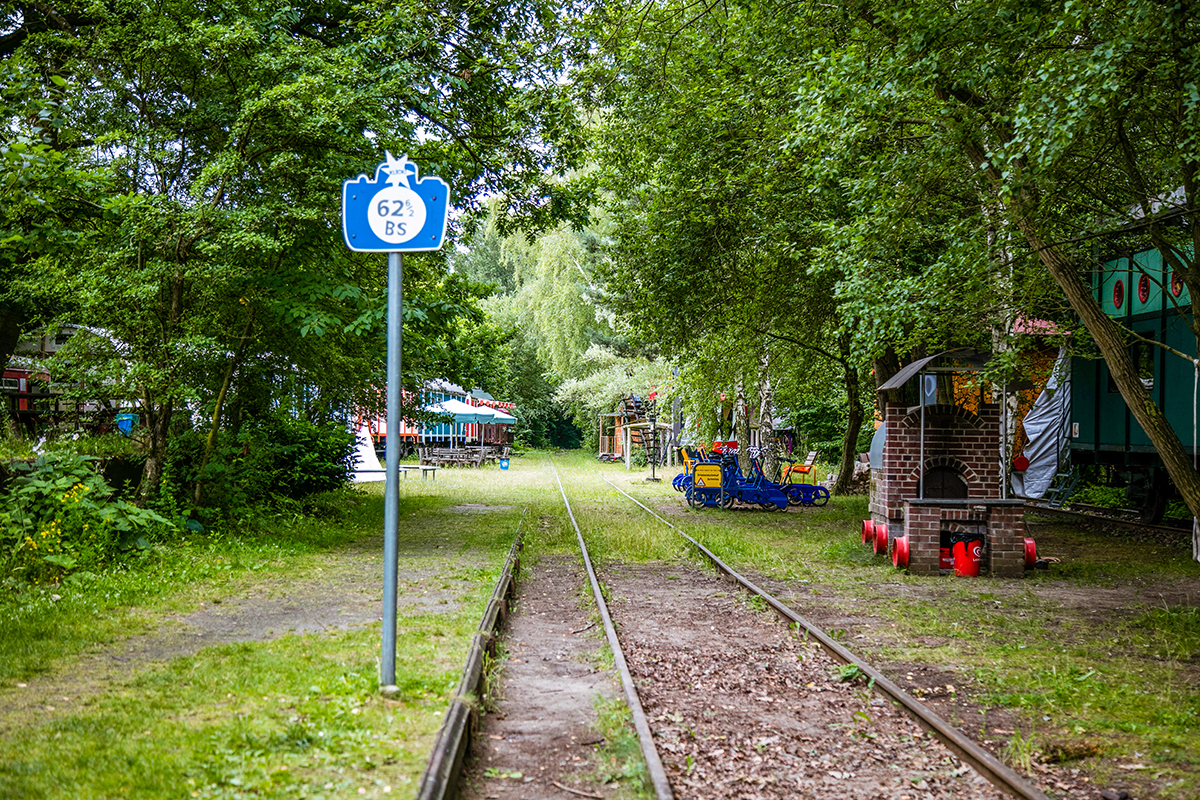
(158, 412)
(741, 427)
(853, 423)
(1115, 351)
(216, 421)
(158, 422)
(766, 410)
(884, 368)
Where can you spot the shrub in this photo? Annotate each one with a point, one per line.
(57, 513)
(309, 458)
(270, 460)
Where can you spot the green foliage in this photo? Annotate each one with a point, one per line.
(276, 458)
(607, 377)
(200, 217)
(58, 514)
(1097, 495)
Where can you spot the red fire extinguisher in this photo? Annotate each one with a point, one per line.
(968, 555)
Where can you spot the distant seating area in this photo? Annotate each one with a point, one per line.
(462, 456)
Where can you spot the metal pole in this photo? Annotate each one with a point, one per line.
(1004, 476)
(387, 661)
(921, 463)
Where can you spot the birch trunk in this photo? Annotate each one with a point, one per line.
(766, 410)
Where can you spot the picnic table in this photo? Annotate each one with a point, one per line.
(426, 470)
(461, 456)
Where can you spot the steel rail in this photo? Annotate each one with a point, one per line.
(984, 762)
(658, 775)
(444, 768)
(1118, 522)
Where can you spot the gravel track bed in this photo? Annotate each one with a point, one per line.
(743, 708)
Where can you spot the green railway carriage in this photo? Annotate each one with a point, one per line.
(1140, 291)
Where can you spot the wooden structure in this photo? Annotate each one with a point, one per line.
(444, 435)
(462, 456)
(628, 429)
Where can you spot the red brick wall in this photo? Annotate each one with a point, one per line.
(968, 443)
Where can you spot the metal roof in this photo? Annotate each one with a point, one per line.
(975, 360)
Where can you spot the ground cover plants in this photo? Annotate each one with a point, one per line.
(1089, 665)
(275, 715)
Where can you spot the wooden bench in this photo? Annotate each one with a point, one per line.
(425, 470)
(451, 457)
(403, 469)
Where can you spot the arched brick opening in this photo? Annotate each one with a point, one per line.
(959, 414)
(968, 474)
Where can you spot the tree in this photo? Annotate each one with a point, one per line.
(721, 243)
(1073, 125)
(224, 133)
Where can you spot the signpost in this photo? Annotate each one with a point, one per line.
(392, 214)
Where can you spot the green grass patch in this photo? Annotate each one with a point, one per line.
(293, 717)
(620, 758)
(40, 624)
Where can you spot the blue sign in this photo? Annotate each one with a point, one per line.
(395, 212)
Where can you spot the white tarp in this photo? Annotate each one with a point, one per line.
(1047, 426)
(366, 464)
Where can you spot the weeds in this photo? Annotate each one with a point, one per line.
(621, 756)
(1019, 752)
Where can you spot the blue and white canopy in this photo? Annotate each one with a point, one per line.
(468, 414)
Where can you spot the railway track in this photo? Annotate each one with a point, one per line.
(727, 703)
(1096, 514)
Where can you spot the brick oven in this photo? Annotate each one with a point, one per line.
(957, 490)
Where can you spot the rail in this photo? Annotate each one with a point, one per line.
(658, 775)
(1000, 775)
(440, 780)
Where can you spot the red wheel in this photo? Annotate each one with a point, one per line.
(900, 552)
(881, 540)
(868, 531)
(1030, 553)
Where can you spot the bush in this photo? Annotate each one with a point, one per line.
(270, 460)
(309, 458)
(57, 513)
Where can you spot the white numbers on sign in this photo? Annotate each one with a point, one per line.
(397, 214)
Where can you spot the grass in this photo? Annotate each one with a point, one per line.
(297, 716)
(294, 716)
(41, 624)
(1116, 687)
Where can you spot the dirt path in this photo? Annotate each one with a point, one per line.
(342, 591)
(541, 731)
